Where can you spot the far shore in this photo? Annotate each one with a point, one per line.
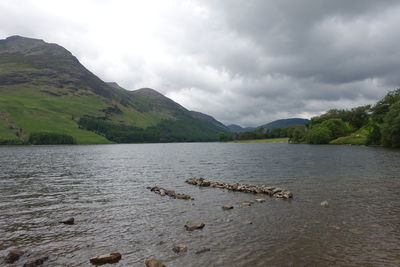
(270, 140)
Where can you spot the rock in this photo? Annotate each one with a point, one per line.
(193, 225)
(227, 207)
(13, 256)
(260, 200)
(247, 188)
(324, 203)
(183, 196)
(179, 248)
(69, 221)
(202, 250)
(153, 263)
(107, 258)
(247, 222)
(246, 204)
(36, 262)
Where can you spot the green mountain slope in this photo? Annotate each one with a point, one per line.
(44, 88)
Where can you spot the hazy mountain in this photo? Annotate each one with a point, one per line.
(44, 88)
(283, 123)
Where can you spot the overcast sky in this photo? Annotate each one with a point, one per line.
(241, 61)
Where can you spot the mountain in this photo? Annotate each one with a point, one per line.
(44, 88)
(239, 129)
(284, 123)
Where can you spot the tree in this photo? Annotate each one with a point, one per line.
(318, 135)
(391, 127)
(337, 128)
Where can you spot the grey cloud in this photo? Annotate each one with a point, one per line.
(246, 62)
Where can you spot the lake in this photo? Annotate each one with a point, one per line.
(104, 188)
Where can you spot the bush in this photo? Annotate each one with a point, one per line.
(337, 128)
(391, 127)
(318, 135)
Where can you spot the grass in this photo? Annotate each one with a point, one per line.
(31, 111)
(270, 140)
(354, 139)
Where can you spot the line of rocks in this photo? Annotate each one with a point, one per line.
(246, 188)
(170, 193)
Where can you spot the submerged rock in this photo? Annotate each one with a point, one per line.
(13, 256)
(36, 262)
(260, 200)
(227, 207)
(193, 225)
(202, 250)
(247, 188)
(154, 263)
(107, 258)
(248, 222)
(246, 204)
(178, 248)
(170, 193)
(324, 203)
(69, 221)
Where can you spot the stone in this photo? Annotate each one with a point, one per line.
(202, 250)
(193, 225)
(247, 222)
(13, 256)
(246, 188)
(178, 248)
(36, 262)
(324, 203)
(246, 204)
(227, 207)
(153, 263)
(260, 200)
(69, 221)
(107, 258)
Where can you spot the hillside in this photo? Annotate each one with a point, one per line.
(44, 88)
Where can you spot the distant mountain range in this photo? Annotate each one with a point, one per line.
(283, 123)
(44, 88)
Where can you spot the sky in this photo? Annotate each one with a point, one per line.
(244, 62)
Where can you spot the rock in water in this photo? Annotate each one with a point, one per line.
(202, 250)
(246, 204)
(227, 207)
(69, 221)
(193, 225)
(179, 248)
(153, 263)
(247, 222)
(260, 200)
(324, 203)
(107, 258)
(36, 262)
(13, 256)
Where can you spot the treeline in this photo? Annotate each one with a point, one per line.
(41, 138)
(259, 133)
(184, 129)
(50, 139)
(366, 125)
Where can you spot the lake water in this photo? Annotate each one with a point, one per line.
(104, 188)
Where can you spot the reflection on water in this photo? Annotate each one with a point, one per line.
(104, 188)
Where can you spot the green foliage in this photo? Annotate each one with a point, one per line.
(50, 139)
(356, 117)
(297, 134)
(182, 130)
(318, 135)
(391, 126)
(354, 139)
(382, 107)
(337, 127)
(374, 137)
(223, 137)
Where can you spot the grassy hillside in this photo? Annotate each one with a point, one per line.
(44, 88)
